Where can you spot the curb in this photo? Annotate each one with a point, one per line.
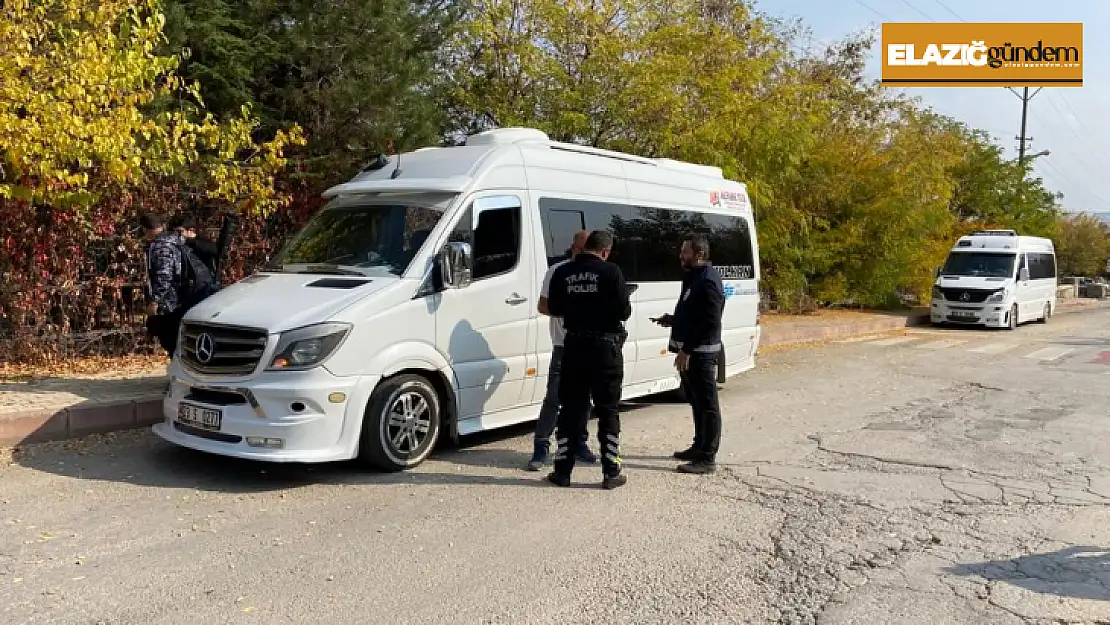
(40, 426)
(793, 336)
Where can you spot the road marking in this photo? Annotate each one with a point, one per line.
(993, 348)
(1049, 353)
(941, 344)
(894, 341)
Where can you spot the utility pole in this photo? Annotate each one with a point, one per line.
(1023, 140)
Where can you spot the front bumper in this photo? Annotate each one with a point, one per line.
(307, 416)
(989, 314)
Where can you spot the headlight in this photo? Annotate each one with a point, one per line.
(307, 347)
(937, 293)
(997, 296)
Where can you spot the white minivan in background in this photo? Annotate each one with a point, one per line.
(405, 311)
(996, 278)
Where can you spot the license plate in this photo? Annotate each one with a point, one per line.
(964, 315)
(200, 417)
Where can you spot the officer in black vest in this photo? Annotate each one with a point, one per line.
(591, 296)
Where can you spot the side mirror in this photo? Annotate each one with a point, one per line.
(1023, 274)
(456, 265)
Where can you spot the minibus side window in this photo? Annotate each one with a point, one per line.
(494, 243)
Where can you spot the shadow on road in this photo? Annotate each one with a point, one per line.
(137, 457)
(1075, 572)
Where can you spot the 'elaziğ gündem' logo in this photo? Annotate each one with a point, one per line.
(976, 55)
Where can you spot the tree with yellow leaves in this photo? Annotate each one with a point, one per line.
(86, 102)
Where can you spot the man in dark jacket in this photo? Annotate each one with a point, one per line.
(163, 266)
(592, 298)
(207, 251)
(177, 278)
(696, 339)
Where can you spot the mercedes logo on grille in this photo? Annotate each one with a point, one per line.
(964, 297)
(206, 347)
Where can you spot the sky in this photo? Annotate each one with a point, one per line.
(1073, 123)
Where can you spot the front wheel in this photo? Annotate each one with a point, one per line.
(1013, 318)
(401, 423)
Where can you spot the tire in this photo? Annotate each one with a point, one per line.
(401, 423)
(1047, 312)
(1013, 318)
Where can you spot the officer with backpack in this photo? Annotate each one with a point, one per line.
(177, 279)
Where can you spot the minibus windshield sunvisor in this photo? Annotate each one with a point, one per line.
(979, 265)
(371, 239)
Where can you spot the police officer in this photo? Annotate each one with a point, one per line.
(591, 296)
(696, 341)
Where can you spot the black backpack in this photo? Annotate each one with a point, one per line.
(197, 280)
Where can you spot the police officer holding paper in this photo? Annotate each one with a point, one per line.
(591, 296)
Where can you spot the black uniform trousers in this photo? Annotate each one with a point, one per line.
(164, 328)
(593, 367)
(699, 383)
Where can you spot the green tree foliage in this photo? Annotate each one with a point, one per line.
(993, 191)
(858, 192)
(1082, 246)
(80, 86)
(355, 75)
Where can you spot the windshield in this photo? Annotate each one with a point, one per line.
(367, 239)
(979, 265)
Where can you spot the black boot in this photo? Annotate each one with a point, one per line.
(701, 466)
(558, 479)
(687, 455)
(609, 482)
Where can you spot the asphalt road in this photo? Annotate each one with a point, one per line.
(940, 477)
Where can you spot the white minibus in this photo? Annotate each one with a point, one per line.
(996, 278)
(405, 311)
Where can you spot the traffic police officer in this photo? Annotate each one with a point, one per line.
(591, 296)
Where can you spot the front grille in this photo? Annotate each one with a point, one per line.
(233, 350)
(974, 296)
(213, 397)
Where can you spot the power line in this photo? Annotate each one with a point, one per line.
(947, 8)
(1059, 175)
(1078, 135)
(914, 7)
(869, 8)
(1087, 173)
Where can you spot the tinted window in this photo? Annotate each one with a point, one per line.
(647, 240)
(656, 238)
(591, 216)
(1041, 266)
(559, 227)
(495, 243)
(730, 247)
